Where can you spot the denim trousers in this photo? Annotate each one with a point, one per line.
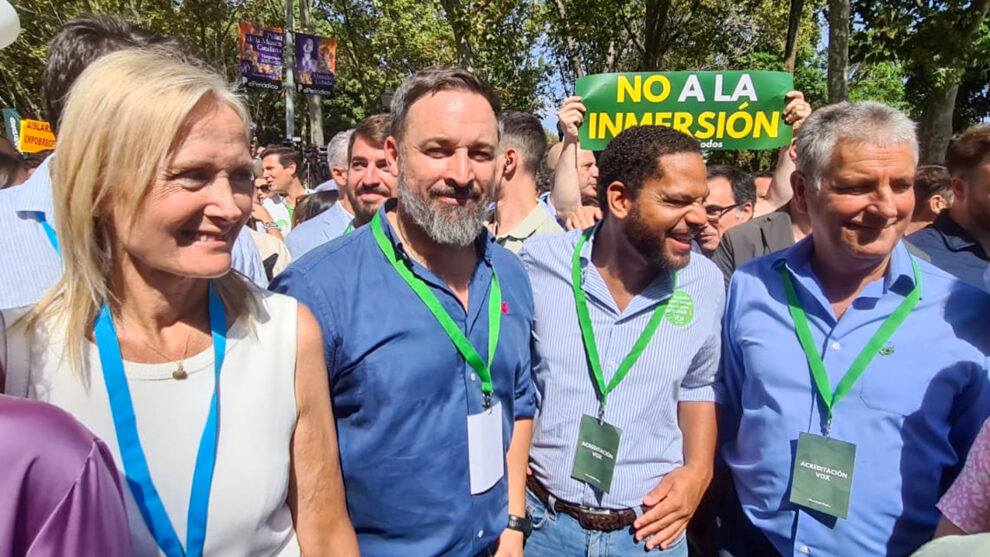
(561, 535)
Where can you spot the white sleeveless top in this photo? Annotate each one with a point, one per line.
(248, 514)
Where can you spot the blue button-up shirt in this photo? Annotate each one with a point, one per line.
(953, 249)
(912, 415)
(402, 392)
(326, 226)
(679, 364)
(29, 263)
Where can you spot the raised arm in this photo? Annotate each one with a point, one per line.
(566, 192)
(779, 194)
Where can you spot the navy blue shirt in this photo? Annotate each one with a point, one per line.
(402, 392)
(953, 250)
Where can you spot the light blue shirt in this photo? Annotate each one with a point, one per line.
(30, 265)
(326, 226)
(912, 415)
(679, 364)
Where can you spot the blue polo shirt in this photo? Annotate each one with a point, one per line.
(402, 392)
(912, 415)
(953, 250)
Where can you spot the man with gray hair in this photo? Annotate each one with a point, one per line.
(337, 162)
(427, 326)
(855, 374)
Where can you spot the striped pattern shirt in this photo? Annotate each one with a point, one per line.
(679, 364)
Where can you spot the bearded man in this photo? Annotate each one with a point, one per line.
(626, 348)
(426, 325)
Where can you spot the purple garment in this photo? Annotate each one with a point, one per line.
(59, 491)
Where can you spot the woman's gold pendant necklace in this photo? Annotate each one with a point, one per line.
(180, 372)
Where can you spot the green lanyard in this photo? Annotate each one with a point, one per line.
(349, 229)
(453, 331)
(588, 334)
(818, 373)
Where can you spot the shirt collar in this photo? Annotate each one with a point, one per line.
(955, 236)
(659, 289)
(483, 243)
(35, 194)
(899, 276)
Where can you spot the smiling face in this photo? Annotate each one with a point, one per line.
(369, 182)
(863, 204)
(668, 212)
(187, 223)
(446, 164)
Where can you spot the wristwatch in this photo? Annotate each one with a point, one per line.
(271, 225)
(520, 524)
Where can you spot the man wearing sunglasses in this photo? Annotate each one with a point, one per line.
(730, 202)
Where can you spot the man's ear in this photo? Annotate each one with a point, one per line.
(392, 155)
(746, 211)
(799, 183)
(293, 169)
(937, 203)
(619, 200)
(510, 162)
(959, 188)
(339, 174)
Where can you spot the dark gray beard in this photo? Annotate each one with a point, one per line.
(446, 225)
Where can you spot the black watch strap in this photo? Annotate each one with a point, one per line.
(520, 524)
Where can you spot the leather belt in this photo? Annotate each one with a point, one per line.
(591, 518)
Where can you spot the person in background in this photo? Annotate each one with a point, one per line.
(575, 178)
(30, 262)
(427, 324)
(762, 181)
(855, 374)
(631, 282)
(778, 190)
(730, 202)
(312, 205)
(518, 214)
(59, 490)
(12, 170)
(368, 185)
(932, 195)
(148, 335)
(337, 163)
(281, 170)
(958, 240)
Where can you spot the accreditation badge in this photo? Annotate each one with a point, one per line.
(597, 447)
(486, 454)
(823, 474)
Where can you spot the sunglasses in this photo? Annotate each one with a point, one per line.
(265, 189)
(716, 212)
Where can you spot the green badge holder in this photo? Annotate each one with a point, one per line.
(823, 473)
(597, 448)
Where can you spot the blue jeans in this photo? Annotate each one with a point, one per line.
(561, 535)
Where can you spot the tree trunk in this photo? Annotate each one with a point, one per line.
(935, 130)
(838, 50)
(462, 35)
(793, 23)
(654, 24)
(313, 105)
(571, 44)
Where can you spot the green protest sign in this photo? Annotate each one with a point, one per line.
(723, 110)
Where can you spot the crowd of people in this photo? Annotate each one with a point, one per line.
(471, 342)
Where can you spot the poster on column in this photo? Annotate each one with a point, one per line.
(316, 64)
(723, 110)
(260, 55)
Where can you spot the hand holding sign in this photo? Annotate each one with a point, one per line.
(571, 116)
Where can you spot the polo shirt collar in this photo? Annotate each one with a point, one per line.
(955, 237)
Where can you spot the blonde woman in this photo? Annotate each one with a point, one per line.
(211, 394)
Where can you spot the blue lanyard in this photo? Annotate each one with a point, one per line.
(48, 230)
(131, 453)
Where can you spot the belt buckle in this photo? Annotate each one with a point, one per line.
(595, 519)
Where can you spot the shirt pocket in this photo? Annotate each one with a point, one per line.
(893, 386)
